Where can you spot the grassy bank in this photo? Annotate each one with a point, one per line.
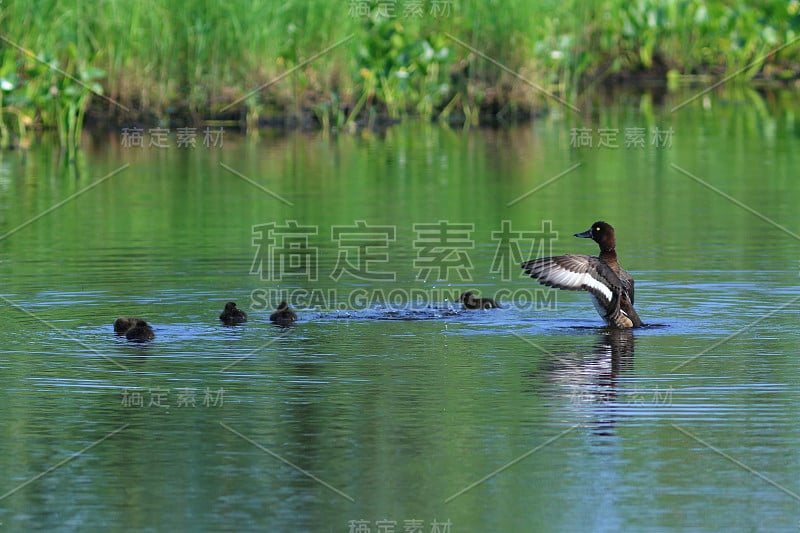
(164, 62)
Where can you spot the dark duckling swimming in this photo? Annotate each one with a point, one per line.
(283, 315)
(123, 324)
(140, 332)
(231, 316)
(471, 302)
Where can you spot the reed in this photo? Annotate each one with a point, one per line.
(191, 59)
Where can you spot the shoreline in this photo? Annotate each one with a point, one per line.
(491, 113)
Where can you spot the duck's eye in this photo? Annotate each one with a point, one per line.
(597, 228)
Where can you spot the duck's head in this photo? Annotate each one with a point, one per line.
(602, 233)
(465, 297)
(283, 305)
(230, 306)
(123, 324)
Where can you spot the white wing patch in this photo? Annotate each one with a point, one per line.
(599, 286)
(550, 272)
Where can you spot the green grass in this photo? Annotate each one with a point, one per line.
(193, 58)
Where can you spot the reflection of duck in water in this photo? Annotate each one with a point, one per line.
(140, 332)
(283, 315)
(592, 372)
(616, 345)
(471, 302)
(588, 378)
(124, 323)
(610, 286)
(231, 316)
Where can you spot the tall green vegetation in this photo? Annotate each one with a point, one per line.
(159, 61)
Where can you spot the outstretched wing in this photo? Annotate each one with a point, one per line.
(577, 273)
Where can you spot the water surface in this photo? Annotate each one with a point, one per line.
(527, 418)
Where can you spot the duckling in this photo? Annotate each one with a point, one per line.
(283, 315)
(140, 332)
(123, 324)
(232, 316)
(470, 302)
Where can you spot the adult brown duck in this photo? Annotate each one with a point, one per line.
(609, 285)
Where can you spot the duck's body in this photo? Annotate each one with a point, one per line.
(610, 287)
(231, 316)
(471, 302)
(283, 315)
(124, 323)
(140, 332)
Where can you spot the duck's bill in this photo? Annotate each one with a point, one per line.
(586, 234)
